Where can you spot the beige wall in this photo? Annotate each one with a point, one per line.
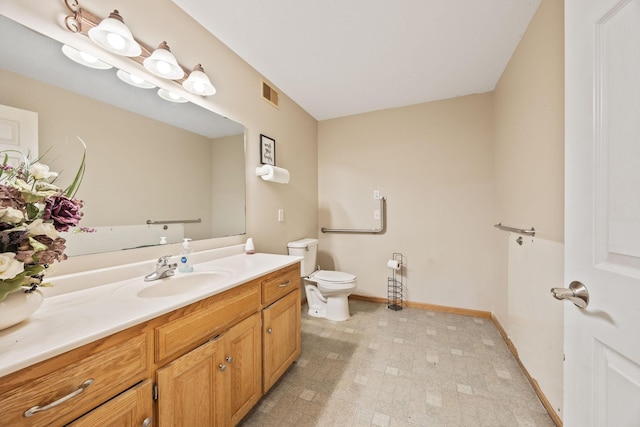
(434, 164)
(529, 140)
(529, 182)
(450, 170)
(238, 98)
(529, 117)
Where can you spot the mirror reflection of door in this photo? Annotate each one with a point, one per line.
(18, 131)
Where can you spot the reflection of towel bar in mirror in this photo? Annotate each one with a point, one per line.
(175, 221)
(531, 232)
(381, 230)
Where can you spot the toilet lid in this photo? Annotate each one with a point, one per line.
(334, 276)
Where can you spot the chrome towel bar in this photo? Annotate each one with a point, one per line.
(175, 221)
(531, 232)
(380, 230)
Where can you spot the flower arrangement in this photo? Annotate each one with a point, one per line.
(32, 212)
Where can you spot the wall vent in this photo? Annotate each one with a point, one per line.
(269, 94)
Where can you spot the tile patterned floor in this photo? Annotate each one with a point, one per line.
(410, 367)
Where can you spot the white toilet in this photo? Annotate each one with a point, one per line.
(326, 290)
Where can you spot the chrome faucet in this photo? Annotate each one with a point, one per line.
(163, 269)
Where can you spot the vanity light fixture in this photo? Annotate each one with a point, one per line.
(163, 64)
(113, 35)
(198, 82)
(83, 58)
(134, 80)
(167, 95)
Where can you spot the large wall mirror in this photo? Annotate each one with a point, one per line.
(178, 165)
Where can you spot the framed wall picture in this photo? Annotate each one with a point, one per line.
(267, 150)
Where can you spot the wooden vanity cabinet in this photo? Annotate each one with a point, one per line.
(215, 384)
(88, 376)
(211, 362)
(281, 323)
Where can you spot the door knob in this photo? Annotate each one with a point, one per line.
(577, 293)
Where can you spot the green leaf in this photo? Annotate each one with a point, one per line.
(75, 185)
(10, 285)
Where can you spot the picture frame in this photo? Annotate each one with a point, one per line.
(267, 150)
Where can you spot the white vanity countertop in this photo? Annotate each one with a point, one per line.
(70, 320)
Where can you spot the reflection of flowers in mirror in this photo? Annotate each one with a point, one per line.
(32, 212)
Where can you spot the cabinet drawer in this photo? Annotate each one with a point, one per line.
(280, 283)
(132, 408)
(206, 319)
(112, 370)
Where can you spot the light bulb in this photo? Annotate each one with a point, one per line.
(116, 41)
(88, 58)
(136, 79)
(198, 87)
(163, 67)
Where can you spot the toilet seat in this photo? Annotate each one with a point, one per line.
(332, 277)
(333, 280)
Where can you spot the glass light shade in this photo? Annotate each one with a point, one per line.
(83, 58)
(163, 64)
(113, 35)
(170, 96)
(134, 80)
(198, 82)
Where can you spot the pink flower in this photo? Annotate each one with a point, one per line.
(63, 211)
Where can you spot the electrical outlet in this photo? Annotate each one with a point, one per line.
(376, 194)
(280, 215)
(376, 214)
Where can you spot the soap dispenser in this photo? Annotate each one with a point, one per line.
(185, 257)
(249, 247)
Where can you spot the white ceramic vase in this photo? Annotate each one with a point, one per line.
(19, 305)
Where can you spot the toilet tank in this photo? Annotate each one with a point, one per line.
(308, 249)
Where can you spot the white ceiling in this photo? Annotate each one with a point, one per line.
(342, 57)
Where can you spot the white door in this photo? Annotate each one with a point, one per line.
(602, 216)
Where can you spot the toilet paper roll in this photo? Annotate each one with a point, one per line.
(273, 174)
(394, 264)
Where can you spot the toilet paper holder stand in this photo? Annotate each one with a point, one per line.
(394, 283)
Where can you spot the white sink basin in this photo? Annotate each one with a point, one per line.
(174, 285)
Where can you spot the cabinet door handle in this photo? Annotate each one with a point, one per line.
(269, 330)
(229, 359)
(147, 422)
(285, 284)
(222, 367)
(34, 410)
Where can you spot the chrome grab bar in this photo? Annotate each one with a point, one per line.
(380, 230)
(175, 221)
(531, 232)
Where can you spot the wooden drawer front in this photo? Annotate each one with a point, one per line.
(113, 370)
(279, 283)
(215, 315)
(132, 408)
